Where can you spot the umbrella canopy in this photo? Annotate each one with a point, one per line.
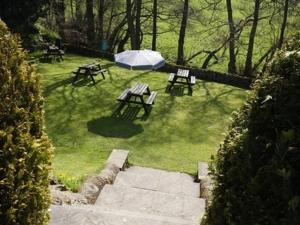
(140, 59)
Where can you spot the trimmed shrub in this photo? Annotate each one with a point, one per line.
(24, 148)
(257, 169)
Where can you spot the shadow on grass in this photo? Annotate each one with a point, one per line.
(56, 85)
(178, 90)
(131, 113)
(43, 59)
(114, 127)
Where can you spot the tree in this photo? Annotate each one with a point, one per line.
(24, 148)
(284, 23)
(232, 60)
(101, 19)
(138, 29)
(256, 171)
(20, 15)
(130, 23)
(60, 13)
(154, 25)
(248, 64)
(78, 11)
(90, 22)
(180, 54)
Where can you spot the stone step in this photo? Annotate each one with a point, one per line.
(158, 180)
(93, 215)
(119, 197)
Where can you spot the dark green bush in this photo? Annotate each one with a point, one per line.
(257, 168)
(24, 149)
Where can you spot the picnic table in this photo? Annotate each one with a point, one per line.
(53, 51)
(182, 76)
(136, 95)
(89, 70)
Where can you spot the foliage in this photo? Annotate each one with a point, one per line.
(257, 168)
(20, 15)
(24, 148)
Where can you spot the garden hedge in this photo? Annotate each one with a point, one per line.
(257, 169)
(25, 151)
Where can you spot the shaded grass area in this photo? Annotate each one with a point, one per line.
(84, 124)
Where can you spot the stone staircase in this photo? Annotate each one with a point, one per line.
(139, 196)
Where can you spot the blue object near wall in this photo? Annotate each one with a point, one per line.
(104, 45)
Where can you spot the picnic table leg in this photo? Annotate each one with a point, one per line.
(103, 75)
(90, 74)
(76, 76)
(144, 105)
(189, 85)
(148, 91)
(173, 82)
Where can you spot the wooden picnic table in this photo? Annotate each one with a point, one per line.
(53, 51)
(182, 76)
(89, 70)
(136, 95)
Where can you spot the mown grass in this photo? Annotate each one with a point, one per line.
(180, 130)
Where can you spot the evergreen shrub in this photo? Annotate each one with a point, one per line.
(25, 151)
(257, 168)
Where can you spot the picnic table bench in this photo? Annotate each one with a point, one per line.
(53, 51)
(182, 77)
(136, 95)
(89, 70)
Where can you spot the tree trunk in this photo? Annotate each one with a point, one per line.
(121, 46)
(232, 60)
(154, 26)
(78, 11)
(130, 23)
(248, 64)
(284, 23)
(138, 23)
(180, 55)
(90, 22)
(72, 9)
(101, 19)
(60, 13)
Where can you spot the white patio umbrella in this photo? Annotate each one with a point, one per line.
(140, 59)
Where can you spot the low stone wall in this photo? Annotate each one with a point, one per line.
(91, 188)
(89, 52)
(208, 75)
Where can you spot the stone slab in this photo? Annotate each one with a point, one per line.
(202, 170)
(92, 215)
(150, 202)
(119, 158)
(158, 180)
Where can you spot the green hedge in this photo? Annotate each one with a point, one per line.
(24, 149)
(257, 168)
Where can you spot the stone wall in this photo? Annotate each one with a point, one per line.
(208, 75)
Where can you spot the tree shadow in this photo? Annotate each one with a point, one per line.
(114, 127)
(56, 85)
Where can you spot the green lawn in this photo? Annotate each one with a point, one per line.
(179, 131)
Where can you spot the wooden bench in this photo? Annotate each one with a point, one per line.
(193, 80)
(150, 100)
(171, 77)
(124, 95)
